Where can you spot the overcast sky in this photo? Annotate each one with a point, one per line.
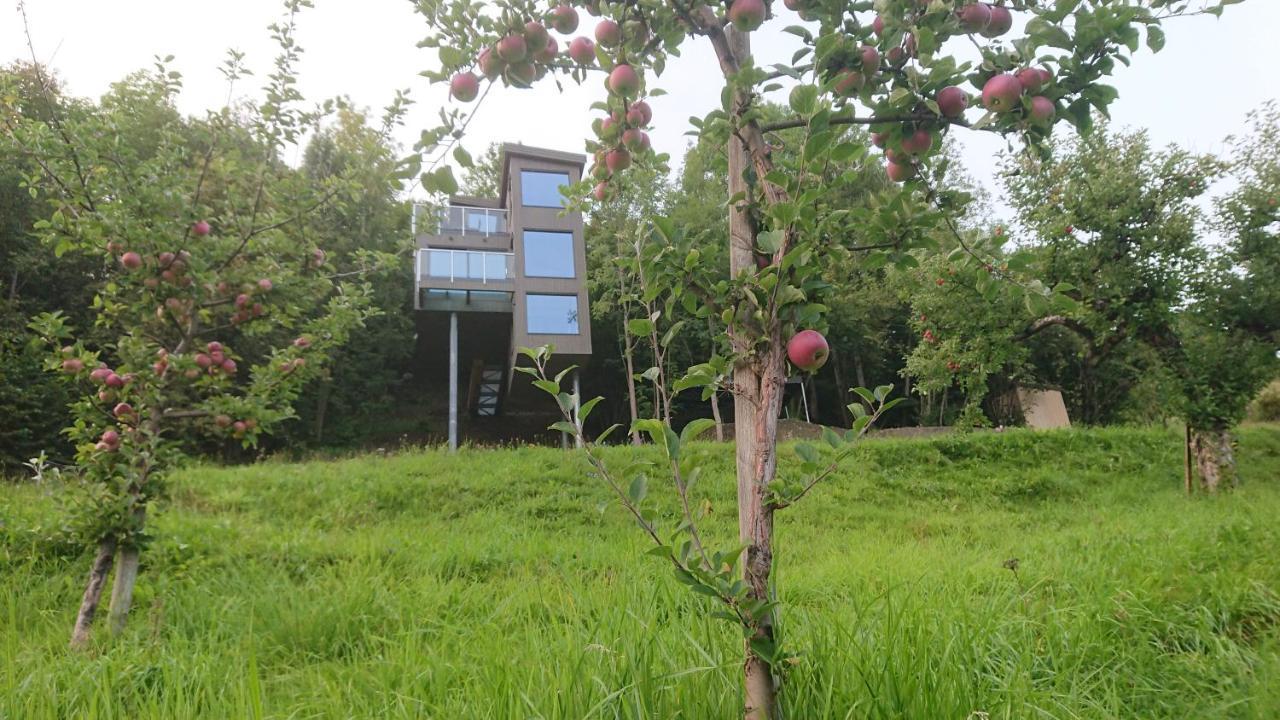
(1194, 93)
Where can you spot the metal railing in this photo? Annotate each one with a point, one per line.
(442, 264)
(460, 220)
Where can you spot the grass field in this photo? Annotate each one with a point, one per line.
(490, 584)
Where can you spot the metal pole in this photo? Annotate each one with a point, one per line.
(577, 408)
(453, 381)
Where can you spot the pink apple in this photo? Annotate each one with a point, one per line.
(464, 86)
(582, 50)
(200, 228)
(72, 366)
(624, 81)
(535, 34)
(1042, 109)
(1032, 79)
(918, 142)
(747, 15)
(848, 82)
(877, 25)
(639, 113)
(974, 18)
(899, 172)
(952, 101)
(521, 74)
(111, 437)
(513, 48)
(635, 140)
(302, 342)
(608, 34)
(1001, 22)
(878, 139)
(131, 260)
(808, 350)
(564, 19)
(489, 63)
(600, 191)
(548, 52)
(114, 381)
(122, 410)
(617, 160)
(870, 59)
(1000, 93)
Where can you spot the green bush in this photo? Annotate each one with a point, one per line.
(1266, 407)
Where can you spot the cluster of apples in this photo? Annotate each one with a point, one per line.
(1004, 93)
(622, 132)
(523, 55)
(237, 428)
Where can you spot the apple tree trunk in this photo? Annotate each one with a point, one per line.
(1214, 459)
(126, 578)
(758, 381)
(98, 573)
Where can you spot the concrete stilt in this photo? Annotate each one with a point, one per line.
(453, 381)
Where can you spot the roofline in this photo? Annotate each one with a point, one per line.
(509, 149)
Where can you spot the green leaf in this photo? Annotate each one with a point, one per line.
(694, 428)
(563, 426)
(807, 452)
(551, 387)
(831, 437)
(640, 326)
(587, 407)
(803, 99)
(1155, 38)
(639, 488)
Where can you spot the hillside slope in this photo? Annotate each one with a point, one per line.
(504, 584)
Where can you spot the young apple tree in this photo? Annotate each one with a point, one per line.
(214, 307)
(900, 66)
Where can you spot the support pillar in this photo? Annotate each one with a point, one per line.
(453, 381)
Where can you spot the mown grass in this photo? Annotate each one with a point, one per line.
(490, 585)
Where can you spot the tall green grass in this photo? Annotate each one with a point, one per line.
(490, 584)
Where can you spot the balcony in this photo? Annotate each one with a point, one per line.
(443, 268)
(458, 220)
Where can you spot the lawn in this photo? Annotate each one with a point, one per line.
(502, 584)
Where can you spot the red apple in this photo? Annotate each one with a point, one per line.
(72, 366)
(122, 410)
(489, 62)
(974, 18)
(877, 25)
(548, 52)
(1001, 22)
(1031, 78)
(635, 140)
(870, 59)
(131, 260)
(521, 74)
(624, 81)
(513, 48)
(229, 366)
(302, 342)
(114, 381)
(848, 82)
(1001, 93)
(200, 228)
(564, 19)
(1042, 109)
(608, 34)
(204, 361)
(918, 142)
(600, 191)
(582, 50)
(808, 350)
(222, 421)
(899, 172)
(617, 160)
(878, 139)
(111, 437)
(535, 34)
(952, 101)
(639, 114)
(464, 86)
(747, 15)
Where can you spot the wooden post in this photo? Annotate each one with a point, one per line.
(1186, 459)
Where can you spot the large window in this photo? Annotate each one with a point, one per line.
(552, 314)
(548, 254)
(542, 189)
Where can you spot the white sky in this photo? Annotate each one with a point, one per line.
(1194, 93)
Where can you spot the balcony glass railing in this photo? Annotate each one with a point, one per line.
(476, 265)
(460, 220)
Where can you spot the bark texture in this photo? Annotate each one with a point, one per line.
(1215, 460)
(757, 385)
(98, 573)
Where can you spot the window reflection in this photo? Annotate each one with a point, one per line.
(552, 314)
(548, 254)
(542, 189)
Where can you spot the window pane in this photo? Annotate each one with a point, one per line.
(495, 266)
(548, 254)
(542, 189)
(552, 314)
(438, 263)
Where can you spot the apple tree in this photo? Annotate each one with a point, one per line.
(215, 306)
(906, 68)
